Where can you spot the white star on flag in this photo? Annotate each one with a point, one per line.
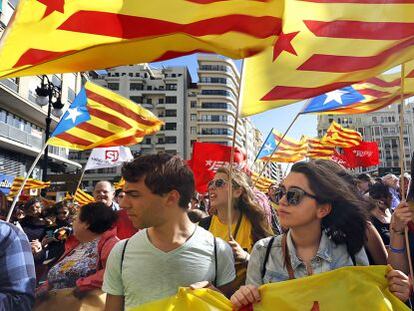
(268, 148)
(73, 113)
(335, 96)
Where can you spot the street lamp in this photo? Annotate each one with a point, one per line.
(51, 95)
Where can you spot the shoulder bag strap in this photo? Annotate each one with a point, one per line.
(266, 258)
(123, 253)
(286, 256)
(236, 230)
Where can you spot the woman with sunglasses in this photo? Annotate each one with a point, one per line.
(326, 232)
(249, 221)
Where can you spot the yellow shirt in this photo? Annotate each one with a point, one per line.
(243, 236)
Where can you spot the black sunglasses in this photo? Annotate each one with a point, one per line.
(218, 183)
(294, 195)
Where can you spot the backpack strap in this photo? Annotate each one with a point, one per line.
(353, 259)
(123, 253)
(266, 258)
(215, 262)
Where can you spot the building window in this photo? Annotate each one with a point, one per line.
(193, 117)
(193, 130)
(137, 99)
(171, 87)
(148, 141)
(171, 99)
(216, 131)
(170, 126)
(113, 86)
(193, 104)
(161, 100)
(3, 115)
(136, 86)
(170, 113)
(170, 139)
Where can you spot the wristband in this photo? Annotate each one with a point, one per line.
(397, 250)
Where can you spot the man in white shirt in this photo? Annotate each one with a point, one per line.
(104, 192)
(170, 251)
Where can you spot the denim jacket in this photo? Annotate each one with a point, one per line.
(328, 257)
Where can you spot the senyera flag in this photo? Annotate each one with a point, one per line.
(99, 117)
(208, 157)
(327, 45)
(56, 36)
(364, 155)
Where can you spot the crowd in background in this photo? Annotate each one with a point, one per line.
(141, 243)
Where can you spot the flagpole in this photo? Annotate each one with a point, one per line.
(230, 192)
(16, 198)
(402, 165)
(257, 156)
(81, 177)
(277, 146)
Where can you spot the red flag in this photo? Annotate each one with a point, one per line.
(340, 158)
(364, 155)
(207, 158)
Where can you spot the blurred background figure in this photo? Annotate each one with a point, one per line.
(105, 192)
(364, 182)
(392, 182)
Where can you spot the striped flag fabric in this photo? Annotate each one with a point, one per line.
(409, 77)
(57, 36)
(338, 136)
(30, 184)
(263, 183)
(120, 184)
(317, 150)
(99, 117)
(289, 150)
(82, 197)
(327, 45)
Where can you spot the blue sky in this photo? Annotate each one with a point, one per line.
(279, 118)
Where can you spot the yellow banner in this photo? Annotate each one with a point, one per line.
(349, 288)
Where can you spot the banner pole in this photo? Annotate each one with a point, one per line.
(230, 192)
(16, 198)
(277, 146)
(80, 178)
(402, 165)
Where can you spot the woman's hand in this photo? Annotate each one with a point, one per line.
(399, 284)
(247, 294)
(240, 255)
(36, 246)
(401, 217)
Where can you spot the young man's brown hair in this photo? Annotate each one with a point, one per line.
(162, 173)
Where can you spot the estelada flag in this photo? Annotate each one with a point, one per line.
(208, 158)
(325, 45)
(356, 288)
(56, 36)
(338, 136)
(364, 155)
(99, 117)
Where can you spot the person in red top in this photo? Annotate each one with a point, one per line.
(82, 265)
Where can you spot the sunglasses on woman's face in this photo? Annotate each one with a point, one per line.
(294, 195)
(216, 183)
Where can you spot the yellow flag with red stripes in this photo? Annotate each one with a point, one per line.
(338, 136)
(56, 36)
(30, 184)
(327, 45)
(289, 150)
(409, 77)
(263, 183)
(318, 150)
(82, 197)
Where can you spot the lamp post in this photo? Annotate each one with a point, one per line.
(51, 95)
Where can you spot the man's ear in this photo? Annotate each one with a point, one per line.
(324, 210)
(173, 198)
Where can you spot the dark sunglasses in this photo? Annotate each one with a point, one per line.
(294, 195)
(218, 183)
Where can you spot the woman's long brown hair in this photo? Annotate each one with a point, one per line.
(248, 206)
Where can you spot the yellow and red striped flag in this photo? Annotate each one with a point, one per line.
(409, 77)
(56, 36)
(82, 197)
(120, 184)
(99, 117)
(289, 150)
(327, 45)
(317, 150)
(337, 136)
(30, 184)
(263, 183)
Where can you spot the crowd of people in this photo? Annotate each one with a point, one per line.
(158, 234)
